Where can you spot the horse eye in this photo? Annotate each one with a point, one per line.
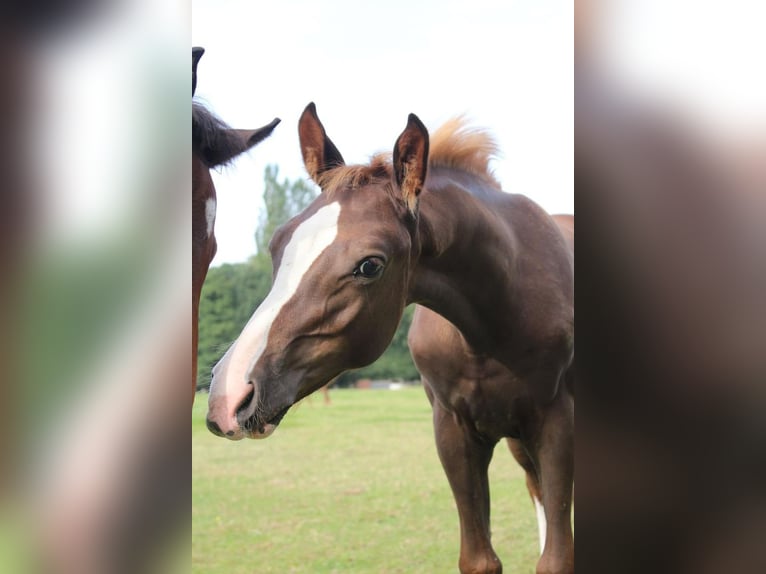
(369, 268)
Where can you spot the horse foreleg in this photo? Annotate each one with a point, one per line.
(465, 458)
(553, 447)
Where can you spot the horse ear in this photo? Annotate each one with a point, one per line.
(231, 142)
(196, 55)
(411, 161)
(319, 153)
(252, 137)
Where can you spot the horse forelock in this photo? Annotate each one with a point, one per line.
(379, 170)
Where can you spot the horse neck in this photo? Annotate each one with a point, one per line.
(466, 252)
(202, 190)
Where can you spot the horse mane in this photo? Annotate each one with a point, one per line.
(455, 145)
(212, 139)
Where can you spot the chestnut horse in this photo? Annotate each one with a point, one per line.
(429, 225)
(455, 376)
(213, 144)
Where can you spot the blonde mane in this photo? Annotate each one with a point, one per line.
(458, 146)
(454, 145)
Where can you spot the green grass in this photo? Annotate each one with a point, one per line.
(355, 486)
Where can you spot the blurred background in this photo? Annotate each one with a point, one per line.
(94, 313)
(670, 188)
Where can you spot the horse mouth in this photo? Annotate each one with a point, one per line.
(258, 426)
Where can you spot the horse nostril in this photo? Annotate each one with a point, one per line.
(248, 400)
(213, 427)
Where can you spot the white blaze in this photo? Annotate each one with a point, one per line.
(541, 524)
(210, 207)
(309, 240)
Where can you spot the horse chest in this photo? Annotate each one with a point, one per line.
(485, 396)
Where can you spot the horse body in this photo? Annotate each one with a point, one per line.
(428, 226)
(498, 268)
(477, 401)
(213, 144)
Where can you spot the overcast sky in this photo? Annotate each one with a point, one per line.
(507, 65)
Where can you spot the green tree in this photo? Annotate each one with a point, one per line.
(229, 296)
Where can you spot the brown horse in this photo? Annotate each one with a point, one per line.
(456, 377)
(429, 225)
(213, 144)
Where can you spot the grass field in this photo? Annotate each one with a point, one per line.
(355, 486)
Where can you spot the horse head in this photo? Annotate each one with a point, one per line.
(341, 272)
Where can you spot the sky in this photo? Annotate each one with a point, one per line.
(506, 65)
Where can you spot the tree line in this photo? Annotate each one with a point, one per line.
(233, 291)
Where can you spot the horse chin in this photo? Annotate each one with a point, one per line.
(259, 430)
(264, 431)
